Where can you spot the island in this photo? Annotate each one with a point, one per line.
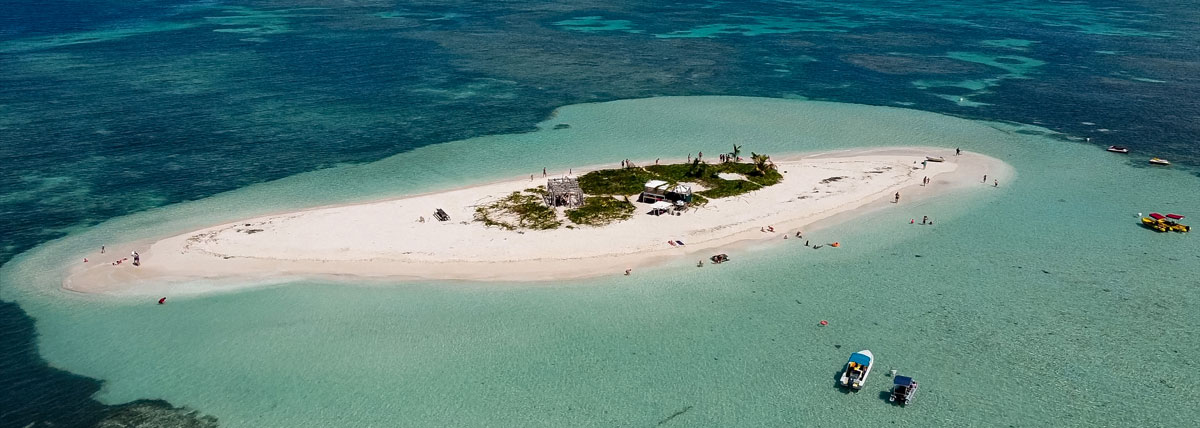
(557, 226)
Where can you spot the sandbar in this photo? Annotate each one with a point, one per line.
(386, 239)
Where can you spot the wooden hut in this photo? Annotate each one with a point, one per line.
(564, 192)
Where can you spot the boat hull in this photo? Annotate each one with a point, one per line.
(857, 370)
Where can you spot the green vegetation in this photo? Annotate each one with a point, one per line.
(519, 211)
(629, 181)
(609, 190)
(625, 181)
(601, 210)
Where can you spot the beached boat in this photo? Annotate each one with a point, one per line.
(857, 369)
(933, 159)
(1159, 161)
(904, 388)
(1118, 149)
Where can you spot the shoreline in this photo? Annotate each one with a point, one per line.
(381, 239)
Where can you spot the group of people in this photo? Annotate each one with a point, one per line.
(137, 258)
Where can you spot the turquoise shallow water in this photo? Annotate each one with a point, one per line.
(1037, 303)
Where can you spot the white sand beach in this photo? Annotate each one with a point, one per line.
(385, 239)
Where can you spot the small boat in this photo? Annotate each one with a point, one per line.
(933, 159)
(857, 369)
(1165, 223)
(1159, 161)
(719, 258)
(1118, 149)
(904, 388)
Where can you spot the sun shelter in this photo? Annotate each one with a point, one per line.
(660, 207)
(658, 190)
(681, 192)
(564, 192)
(654, 190)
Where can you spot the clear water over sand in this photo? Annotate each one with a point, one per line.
(1040, 302)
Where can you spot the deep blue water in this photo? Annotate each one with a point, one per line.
(111, 107)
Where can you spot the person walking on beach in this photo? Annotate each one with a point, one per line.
(656, 161)
(985, 178)
(897, 198)
(543, 172)
(995, 183)
(101, 249)
(700, 155)
(957, 152)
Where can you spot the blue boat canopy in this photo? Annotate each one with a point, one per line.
(903, 380)
(860, 359)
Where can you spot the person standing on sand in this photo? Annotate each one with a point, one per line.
(995, 183)
(101, 249)
(656, 161)
(985, 178)
(543, 172)
(897, 198)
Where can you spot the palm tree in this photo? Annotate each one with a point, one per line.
(762, 163)
(737, 150)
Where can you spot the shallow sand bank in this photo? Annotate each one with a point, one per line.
(384, 239)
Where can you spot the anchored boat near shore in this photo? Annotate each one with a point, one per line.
(904, 388)
(857, 369)
(1165, 223)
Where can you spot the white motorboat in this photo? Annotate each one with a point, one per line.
(1159, 161)
(933, 159)
(1117, 149)
(857, 369)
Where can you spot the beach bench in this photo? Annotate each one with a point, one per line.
(441, 215)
